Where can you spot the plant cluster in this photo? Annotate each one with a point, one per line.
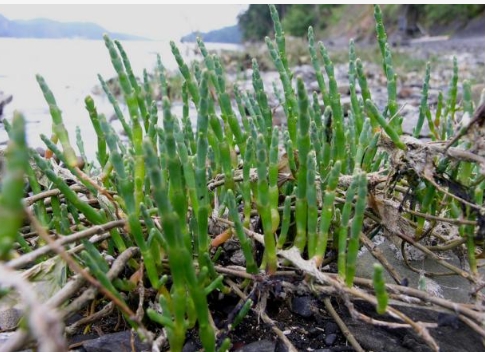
(147, 220)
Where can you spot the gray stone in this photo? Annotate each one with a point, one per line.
(375, 339)
(4, 336)
(410, 115)
(451, 337)
(238, 258)
(454, 288)
(258, 346)
(344, 88)
(190, 346)
(346, 104)
(118, 341)
(330, 328)
(9, 317)
(306, 72)
(302, 305)
(330, 339)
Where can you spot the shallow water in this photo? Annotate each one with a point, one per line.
(70, 68)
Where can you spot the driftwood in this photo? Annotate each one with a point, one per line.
(4, 100)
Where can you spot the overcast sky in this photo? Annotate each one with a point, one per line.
(151, 21)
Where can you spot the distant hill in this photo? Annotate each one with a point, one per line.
(231, 35)
(339, 23)
(45, 28)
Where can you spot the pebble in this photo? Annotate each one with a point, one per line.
(302, 305)
(118, 341)
(330, 339)
(9, 317)
(331, 328)
(313, 332)
(189, 346)
(280, 346)
(258, 346)
(237, 258)
(452, 320)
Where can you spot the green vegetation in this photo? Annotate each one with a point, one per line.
(444, 13)
(305, 194)
(298, 18)
(256, 23)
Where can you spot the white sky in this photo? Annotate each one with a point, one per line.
(151, 21)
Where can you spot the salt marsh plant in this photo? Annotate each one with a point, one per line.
(162, 201)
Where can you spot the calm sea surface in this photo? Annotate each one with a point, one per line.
(70, 68)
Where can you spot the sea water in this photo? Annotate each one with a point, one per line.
(70, 68)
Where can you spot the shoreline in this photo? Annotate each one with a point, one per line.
(470, 57)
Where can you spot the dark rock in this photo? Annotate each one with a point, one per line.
(231, 245)
(314, 332)
(79, 338)
(448, 337)
(330, 339)
(280, 346)
(331, 328)
(118, 341)
(258, 346)
(190, 346)
(413, 344)
(448, 320)
(302, 305)
(376, 339)
(237, 258)
(73, 318)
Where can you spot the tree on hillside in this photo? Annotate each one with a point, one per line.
(298, 18)
(256, 22)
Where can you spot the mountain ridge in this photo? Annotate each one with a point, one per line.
(51, 29)
(229, 34)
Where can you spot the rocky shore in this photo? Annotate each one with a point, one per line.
(471, 66)
(410, 62)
